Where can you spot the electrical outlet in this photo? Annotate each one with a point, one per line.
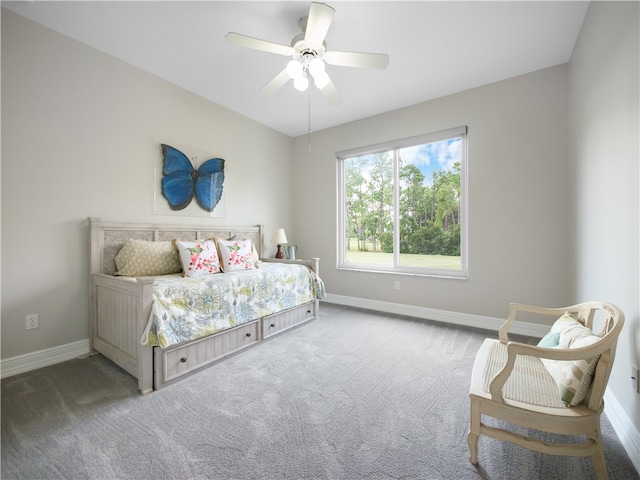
(635, 379)
(32, 321)
(397, 285)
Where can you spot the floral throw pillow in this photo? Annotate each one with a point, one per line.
(198, 258)
(236, 255)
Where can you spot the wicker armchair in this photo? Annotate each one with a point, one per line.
(555, 387)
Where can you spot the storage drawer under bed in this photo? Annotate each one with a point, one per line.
(175, 362)
(281, 321)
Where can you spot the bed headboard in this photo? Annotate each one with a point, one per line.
(108, 237)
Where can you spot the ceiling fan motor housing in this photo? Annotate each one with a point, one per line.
(302, 48)
(305, 53)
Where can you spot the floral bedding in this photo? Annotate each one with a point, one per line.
(187, 308)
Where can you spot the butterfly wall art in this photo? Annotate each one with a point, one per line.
(182, 182)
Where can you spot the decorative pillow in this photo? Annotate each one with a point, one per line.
(552, 339)
(254, 254)
(198, 257)
(254, 251)
(236, 255)
(141, 258)
(573, 377)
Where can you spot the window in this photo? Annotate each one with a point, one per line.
(402, 206)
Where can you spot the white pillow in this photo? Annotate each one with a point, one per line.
(236, 255)
(573, 377)
(552, 339)
(198, 257)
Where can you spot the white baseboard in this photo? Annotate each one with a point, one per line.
(455, 318)
(624, 428)
(43, 358)
(622, 425)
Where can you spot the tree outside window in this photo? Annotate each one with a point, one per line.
(402, 206)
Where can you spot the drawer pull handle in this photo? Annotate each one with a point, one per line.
(272, 325)
(248, 334)
(183, 360)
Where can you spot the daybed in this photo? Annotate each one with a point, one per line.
(123, 328)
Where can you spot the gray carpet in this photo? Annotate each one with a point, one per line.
(351, 395)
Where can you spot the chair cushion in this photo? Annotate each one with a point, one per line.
(530, 382)
(572, 377)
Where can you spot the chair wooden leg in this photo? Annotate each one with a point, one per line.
(597, 457)
(474, 431)
(599, 465)
(472, 440)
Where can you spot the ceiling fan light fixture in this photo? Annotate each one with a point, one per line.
(295, 69)
(301, 83)
(316, 67)
(321, 80)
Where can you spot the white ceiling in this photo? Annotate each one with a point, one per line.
(435, 48)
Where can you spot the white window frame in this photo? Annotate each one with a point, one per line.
(395, 145)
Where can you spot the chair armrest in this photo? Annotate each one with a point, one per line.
(516, 308)
(563, 354)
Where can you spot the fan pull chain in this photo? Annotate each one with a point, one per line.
(309, 119)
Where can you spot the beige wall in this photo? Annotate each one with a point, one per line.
(518, 199)
(605, 155)
(80, 135)
(553, 192)
(553, 161)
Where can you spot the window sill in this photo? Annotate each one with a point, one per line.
(444, 274)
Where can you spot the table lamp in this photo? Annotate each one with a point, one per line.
(279, 237)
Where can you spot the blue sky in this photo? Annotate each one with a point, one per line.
(434, 156)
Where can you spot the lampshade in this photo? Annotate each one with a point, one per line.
(301, 83)
(279, 236)
(321, 80)
(295, 69)
(316, 67)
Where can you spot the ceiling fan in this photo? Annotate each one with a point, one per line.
(309, 54)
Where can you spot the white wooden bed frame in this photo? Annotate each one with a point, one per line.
(120, 306)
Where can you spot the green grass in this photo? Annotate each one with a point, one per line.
(406, 259)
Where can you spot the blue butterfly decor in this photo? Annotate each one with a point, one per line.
(181, 182)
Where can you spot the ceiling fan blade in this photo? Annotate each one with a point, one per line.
(353, 59)
(331, 93)
(275, 83)
(257, 44)
(318, 23)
